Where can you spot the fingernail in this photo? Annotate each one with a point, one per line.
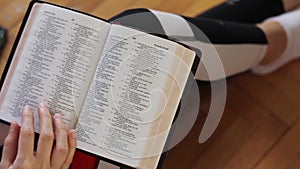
(57, 116)
(73, 133)
(27, 108)
(12, 127)
(43, 105)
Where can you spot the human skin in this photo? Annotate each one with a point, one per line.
(18, 150)
(277, 41)
(276, 36)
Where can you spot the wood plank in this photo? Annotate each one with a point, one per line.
(295, 164)
(224, 148)
(291, 70)
(172, 6)
(12, 13)
(154, 4)
(245, 108)
(286, 84)
(268, 95)
(262, 139)
(285, 151)
(110, 8)
(85, 6)
(4, 3)
(200, 6)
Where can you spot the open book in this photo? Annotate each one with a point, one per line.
(117, 86)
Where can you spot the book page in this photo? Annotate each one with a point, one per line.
(130, 96)
(54, 62)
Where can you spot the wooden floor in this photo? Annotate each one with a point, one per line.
(260, 128)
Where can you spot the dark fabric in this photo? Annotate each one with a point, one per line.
(1, 149)
(245, 11)
(141, 19)
(224, 32)
(3, 38)
(217, 31)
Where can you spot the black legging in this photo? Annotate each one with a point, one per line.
(245, 11)
(230, 22)
(1, 149)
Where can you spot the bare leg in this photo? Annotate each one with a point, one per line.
(277, 38)
(283, 35)
(277, 41)
(290, 4)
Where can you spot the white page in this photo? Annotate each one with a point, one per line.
(125, 97)
(54, 62)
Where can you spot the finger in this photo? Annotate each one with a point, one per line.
(72, 147)
(46, 138)
(10, 145)
(26, 137)
(61, 149)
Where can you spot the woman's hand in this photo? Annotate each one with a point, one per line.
(18, 150)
